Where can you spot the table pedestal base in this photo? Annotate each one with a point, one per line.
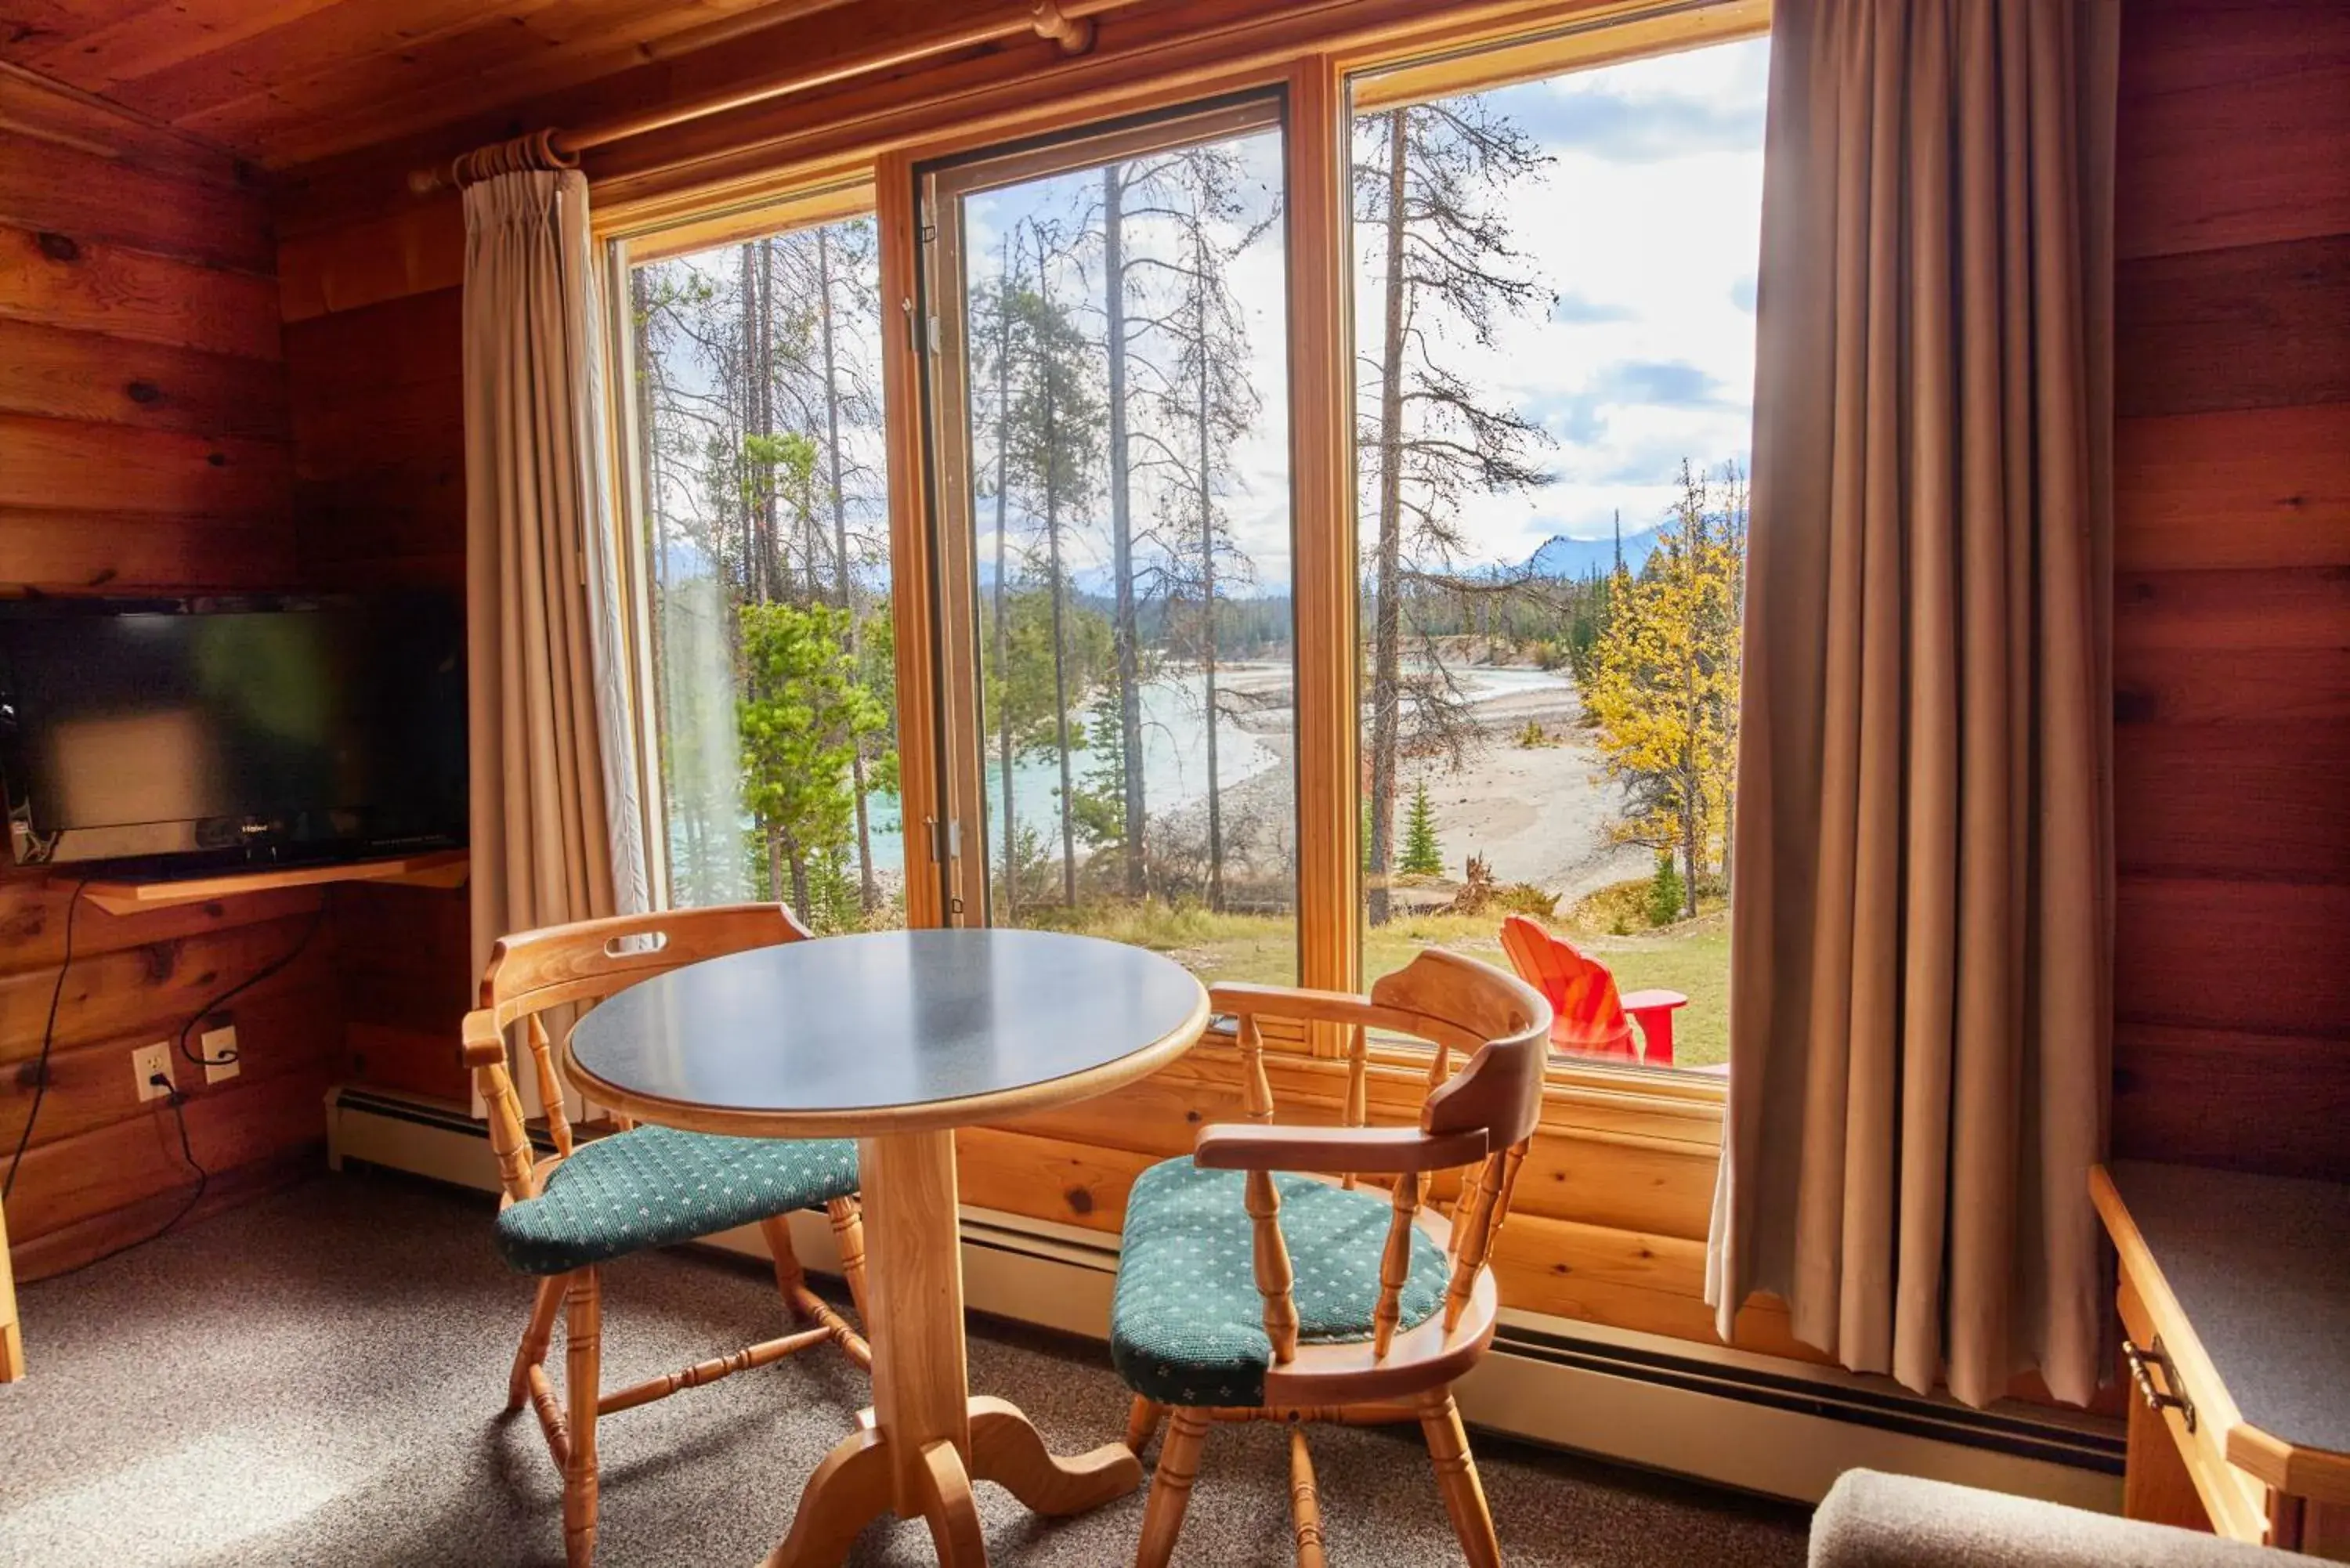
(853, 1487)
(917, 1452)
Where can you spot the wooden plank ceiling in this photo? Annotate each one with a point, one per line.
(283, 82)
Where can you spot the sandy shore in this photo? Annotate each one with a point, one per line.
(1538, 813)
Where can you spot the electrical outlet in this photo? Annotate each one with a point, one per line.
(220, 1053)
(148, 1061)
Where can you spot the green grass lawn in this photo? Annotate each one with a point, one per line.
(1692, 958)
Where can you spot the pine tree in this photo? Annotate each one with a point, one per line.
(859, 273)
(800, 716)
(1666, 891)
(1422, 855)
(1206, 401)
(1179, 397)
(1050, 432)
(992, 311)
(1433, 184)
(1099, 806)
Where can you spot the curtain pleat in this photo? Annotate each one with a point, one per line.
(1921, 947)
(556, 826)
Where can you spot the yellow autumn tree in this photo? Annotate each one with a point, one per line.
(1663, 684)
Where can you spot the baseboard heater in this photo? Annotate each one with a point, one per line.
(1752, 1422)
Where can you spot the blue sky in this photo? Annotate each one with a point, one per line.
(1645, 223)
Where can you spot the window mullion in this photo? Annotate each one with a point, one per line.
(1321, 422)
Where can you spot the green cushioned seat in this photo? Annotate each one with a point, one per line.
(1185, 1324)
(656, 1187)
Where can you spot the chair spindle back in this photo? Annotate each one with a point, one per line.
(530, 973)
(1479, 1117)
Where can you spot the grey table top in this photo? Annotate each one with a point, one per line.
(877, 1026)
(2261, 1265)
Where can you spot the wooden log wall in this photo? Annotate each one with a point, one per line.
(374, 363)
(2232, 680)
(2232, 615)
(144, 445)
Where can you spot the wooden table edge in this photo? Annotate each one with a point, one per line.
(875, 1121)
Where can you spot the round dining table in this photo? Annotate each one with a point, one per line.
(896, 1039)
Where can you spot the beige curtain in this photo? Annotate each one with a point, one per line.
(556, 832)
(1920, 939)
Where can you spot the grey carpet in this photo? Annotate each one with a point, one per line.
(318, 1378)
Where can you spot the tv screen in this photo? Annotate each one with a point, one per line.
(252, 733)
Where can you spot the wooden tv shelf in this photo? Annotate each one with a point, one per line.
(126, 896)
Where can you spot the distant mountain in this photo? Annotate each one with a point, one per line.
(1561, 557)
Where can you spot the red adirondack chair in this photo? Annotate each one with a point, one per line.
(1589, 1017)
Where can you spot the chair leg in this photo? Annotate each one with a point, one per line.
(1456, 1478)
(1170, 1487)
(535, 1337)
(805, 1304)
(583, 1351)
(849, 1232)
(1656, 1035)
(790, 1277)
(1305, 1502)
(1142, 1424)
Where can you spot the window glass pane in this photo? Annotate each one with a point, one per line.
(759, 413)
(1127, 442)
(1555, 340)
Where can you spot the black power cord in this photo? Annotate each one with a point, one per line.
(176, 1099)
(309, 934)
(48, 1040)
(172, 1096)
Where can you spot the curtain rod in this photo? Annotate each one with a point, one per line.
(1069, 22)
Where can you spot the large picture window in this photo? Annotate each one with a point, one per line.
(1542, 274)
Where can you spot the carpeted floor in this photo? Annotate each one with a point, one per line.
(317, 1380)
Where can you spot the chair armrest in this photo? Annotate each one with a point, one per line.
(1646, 1000)
(484, 1042)
(1291, 1001)
(1334, 1151)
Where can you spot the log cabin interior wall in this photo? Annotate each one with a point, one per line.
(376, 373)
(2232, 615)
(2232, 676)
(144, 445)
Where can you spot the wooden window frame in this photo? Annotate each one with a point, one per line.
(1373, 56)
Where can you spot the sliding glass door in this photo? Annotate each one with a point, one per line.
(1106, 401)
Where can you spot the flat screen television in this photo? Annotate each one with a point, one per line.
(232, 732)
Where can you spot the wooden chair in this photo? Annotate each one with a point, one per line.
(593, 1200)
(1246, 1295)
(1588, 1016)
